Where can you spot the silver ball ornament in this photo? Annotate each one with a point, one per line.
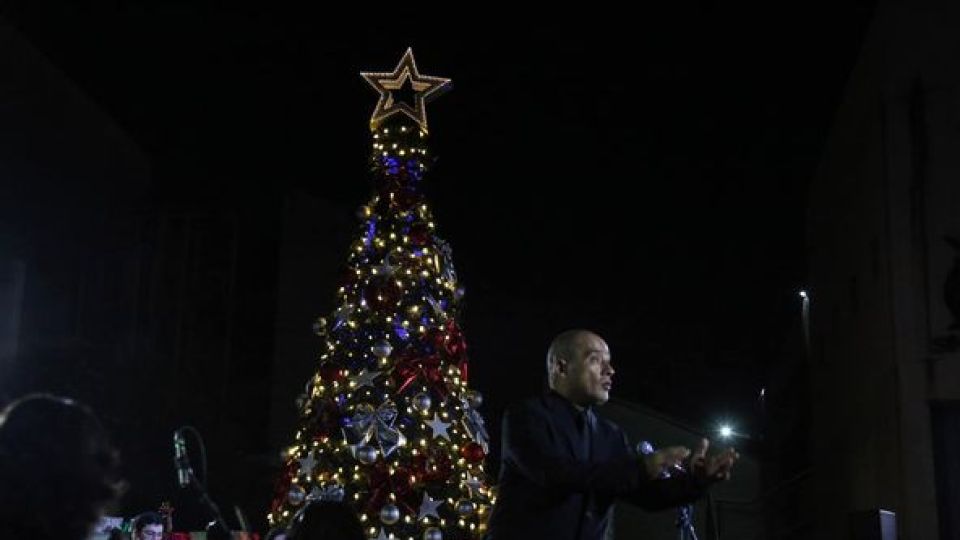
(422, 402)
(466, 508)
(390, 514)
(366, 454)
(296, 495)
(382, 349)
(474, 398)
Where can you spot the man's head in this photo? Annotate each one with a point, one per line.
(148, 526)
(579, 369)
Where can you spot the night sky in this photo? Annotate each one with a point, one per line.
(642, 174)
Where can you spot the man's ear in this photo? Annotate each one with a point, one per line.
(558, 365)
(561, 363)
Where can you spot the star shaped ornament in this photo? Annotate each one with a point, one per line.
(307, 464)
(365, 378)
(439, 427)
(428, 507)
(473, 484)
(405, 81)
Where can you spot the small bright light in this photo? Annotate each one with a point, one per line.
(803, 294)
(726, 432)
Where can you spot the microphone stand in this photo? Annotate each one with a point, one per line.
(198, 485)
(685, 522)
(212, 506)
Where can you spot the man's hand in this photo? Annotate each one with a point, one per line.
(665, 459)
(713, 468)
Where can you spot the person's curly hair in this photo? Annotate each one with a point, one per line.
(58, 469)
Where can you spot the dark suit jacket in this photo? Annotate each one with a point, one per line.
(549, 489)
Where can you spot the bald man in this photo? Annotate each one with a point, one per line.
(562, 467)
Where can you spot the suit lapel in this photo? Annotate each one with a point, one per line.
(567, 424)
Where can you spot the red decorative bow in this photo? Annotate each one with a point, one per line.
(411, 366)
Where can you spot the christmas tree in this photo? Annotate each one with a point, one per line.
(389, 424)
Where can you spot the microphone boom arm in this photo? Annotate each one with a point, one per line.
(186, 477)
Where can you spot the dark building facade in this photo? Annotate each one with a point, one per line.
(883, 225)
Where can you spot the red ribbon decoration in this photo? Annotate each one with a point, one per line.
(464, 371)
(450, 340)
(424, 464)
(410, 367)
(282, 487)
(382, 483)
(448, 343)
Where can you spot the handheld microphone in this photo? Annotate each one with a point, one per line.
(644, 448)
(180, 460)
